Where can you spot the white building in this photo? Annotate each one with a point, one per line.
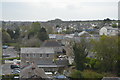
(108, 31)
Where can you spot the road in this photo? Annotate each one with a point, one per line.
(6, 69)
(11, 51)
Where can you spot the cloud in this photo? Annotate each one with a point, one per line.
(66, 10)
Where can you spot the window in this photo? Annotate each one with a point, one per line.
(40, 55)
(47, 55)
(30, 55)
(27, 55)
(33, 55)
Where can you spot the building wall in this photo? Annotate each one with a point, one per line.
(58, 49)
(109, 32)
(40, 59)
(103, 31)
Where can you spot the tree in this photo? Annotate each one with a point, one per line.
(76, 74)
(11, 33)
(24, 31)
(34, 30)
(5, 36)
(114, 25)
(118, 58)
(80, 53)
(32, 42)
(57, 26)
(106, 21)
(35, 27)
(106, 50)
(17, 33)
(42, 35)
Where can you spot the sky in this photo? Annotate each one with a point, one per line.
(43, 10)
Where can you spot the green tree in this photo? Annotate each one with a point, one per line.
(114, 25)
(80, 53)
(118, 58)
(5, 36)
(34, 30)
(76, 74)
(57, 26)
(11, 33)
(17, 33)
(106, 21)
(35, 27)
(106, 50)
(42, 35)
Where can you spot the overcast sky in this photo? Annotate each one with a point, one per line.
(43, 10)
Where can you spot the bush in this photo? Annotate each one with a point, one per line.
(92, 63)
(91, 74)
(11, 58)
(76, 74)
(85, 75)
(109, 74)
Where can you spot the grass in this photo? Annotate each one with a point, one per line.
(11, 58)
(11, 44)
(91, 74)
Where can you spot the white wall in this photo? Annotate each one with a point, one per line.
(103, 31)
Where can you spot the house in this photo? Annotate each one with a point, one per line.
(32, 71)
(111, 78)
(84, 34)
(56, 36)
(45, 58)
(108, 31)
(37, 55)
(53, 44)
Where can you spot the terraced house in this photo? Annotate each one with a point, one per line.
(45, 58)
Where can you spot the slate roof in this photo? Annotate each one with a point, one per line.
(110, 28)
(51, 43)
(111, 78)
(34, 70)
(50, 65)
(37, 50)
(84, 33)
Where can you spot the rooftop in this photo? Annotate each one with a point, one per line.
(51, 43)
(37, 50)
(34, 70)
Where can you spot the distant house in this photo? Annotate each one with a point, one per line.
(44, 58)
(84, 34)
(53, 44)
(56, 36)
(108, 31)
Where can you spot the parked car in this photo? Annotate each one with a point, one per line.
(60, 77)
(16, 77)
(14, 66)
(5, 47)
(16, 71)
(6, 55)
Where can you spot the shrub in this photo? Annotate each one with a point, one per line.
(11, 58)
(91, 74)
(76, 74)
